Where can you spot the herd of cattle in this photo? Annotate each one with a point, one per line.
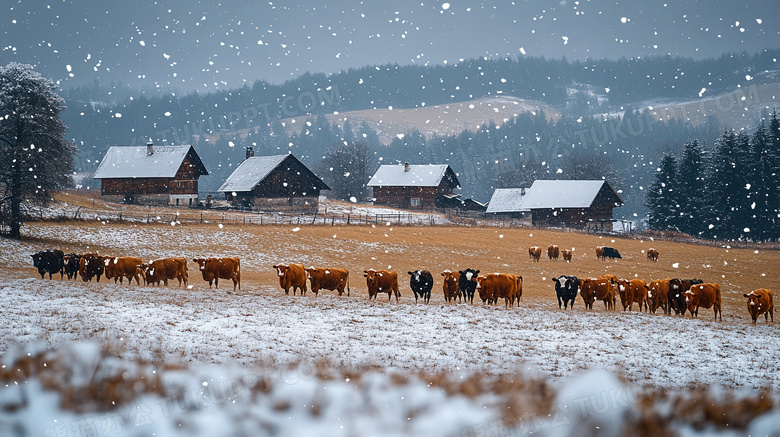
(91, 265)
(671, 295)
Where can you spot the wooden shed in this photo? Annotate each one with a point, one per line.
(574, 203)
(414, 186)
(166, 175)
(278, 182)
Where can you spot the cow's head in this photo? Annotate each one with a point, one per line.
(415, 275)
(561, 282)
(480, 281)
(201, 263)
(310, 272)
(281, 269)
(36, 258)
(370, 275)
(449, 276)
(470, 275)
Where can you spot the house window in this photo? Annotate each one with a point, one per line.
(415, 202)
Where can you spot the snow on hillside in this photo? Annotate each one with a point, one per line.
(446, 119)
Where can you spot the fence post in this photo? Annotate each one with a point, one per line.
(347, 218)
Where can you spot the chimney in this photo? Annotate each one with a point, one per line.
(406, 167)
(149, 148)
(250, 152)
(522, 191)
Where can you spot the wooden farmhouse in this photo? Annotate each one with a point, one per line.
(279, 182)
(165, 175)
(414, 186)
(572, 203)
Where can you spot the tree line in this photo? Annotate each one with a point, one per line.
(731, 192)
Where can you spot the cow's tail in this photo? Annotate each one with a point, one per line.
(347, 284)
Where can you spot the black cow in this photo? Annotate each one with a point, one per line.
(676, 297)
(421, 282)
(49, 261)
(610, 252)
(566, 288)
(467, 284)
(71, 267)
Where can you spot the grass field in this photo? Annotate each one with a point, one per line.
(496, 370)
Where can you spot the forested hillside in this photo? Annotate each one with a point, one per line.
(590, 139)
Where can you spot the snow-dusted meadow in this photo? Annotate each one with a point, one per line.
(195, 361)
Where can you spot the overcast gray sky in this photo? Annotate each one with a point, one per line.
(198, 45)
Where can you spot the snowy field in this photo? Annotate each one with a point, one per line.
(205, 327)
(178, 361)
(345, 366)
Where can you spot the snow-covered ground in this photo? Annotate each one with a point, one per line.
(261, 363)
(203, 326)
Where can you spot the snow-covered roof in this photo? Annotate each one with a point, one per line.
(133, 162)
(545, 194)
(429, 175)
(561, 194)
(506, 200)
(250, 172)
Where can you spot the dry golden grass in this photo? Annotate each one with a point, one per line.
(436, 248)
(405, 248)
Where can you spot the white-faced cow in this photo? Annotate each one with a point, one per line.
(466, 284)
(760, 302)
(421, 283)
(566, 289)
(382, 281)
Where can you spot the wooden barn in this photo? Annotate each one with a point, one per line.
(165, 175)
(278, 182)
(414, 186)
(573, 203)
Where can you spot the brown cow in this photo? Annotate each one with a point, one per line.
(599, 252)
(658, 295)
(292, 276)
(163, 269)
(140, 273)
(519, 290)
(633, 291)
(535, 253)
(705, 296)
(214, 269)
(598, 289)
(566, 255)
(328, 279)
(760, 302)
(493, 286)
(123, 267)
(652, 254)
(90, 266)
(450, 286)
(382, 281)
(553, 252)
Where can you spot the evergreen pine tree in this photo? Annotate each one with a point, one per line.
(661, 199)
(744, 214)
(765, 178)
(692, 191)
(722, 201)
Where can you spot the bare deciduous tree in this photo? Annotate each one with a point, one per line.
(346, 169)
